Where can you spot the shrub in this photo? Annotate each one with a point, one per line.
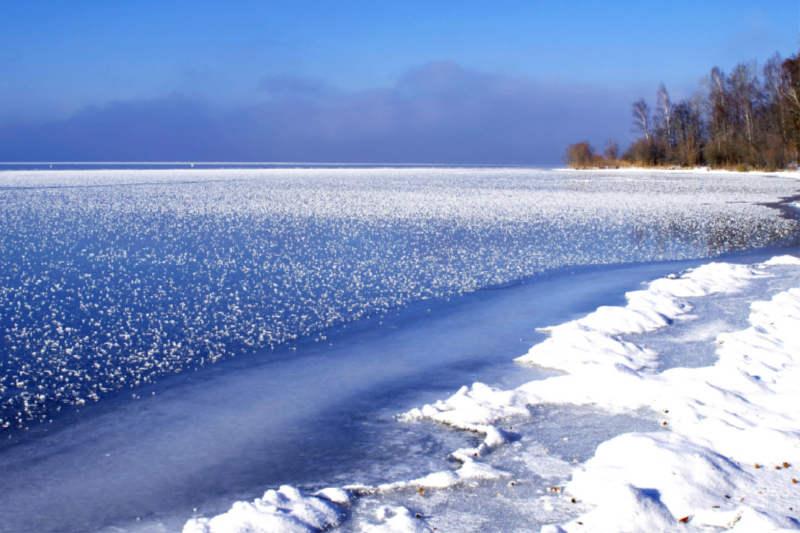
(580, 155)
(642, 153)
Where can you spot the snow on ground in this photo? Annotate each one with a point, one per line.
(287, 510)
(730, 458)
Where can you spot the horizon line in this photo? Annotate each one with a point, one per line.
(282, 163)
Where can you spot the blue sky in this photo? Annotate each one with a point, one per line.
(174, 80)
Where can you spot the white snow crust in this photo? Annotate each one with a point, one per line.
(734, 425)
(396, 520)
(783, 260)
(286, 510)
(729, 459)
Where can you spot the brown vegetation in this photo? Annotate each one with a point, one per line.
(745, 120)
(583, 155)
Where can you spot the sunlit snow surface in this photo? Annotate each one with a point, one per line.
(109, 279)
(683, 446)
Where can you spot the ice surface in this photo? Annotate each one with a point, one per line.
(112, 279)
(689, 342)
(724, 457)
(116, 280)
(323, 417)
(543, 451)
(734, 427)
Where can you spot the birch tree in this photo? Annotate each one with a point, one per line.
(663, 116)
(745, 92)
(641, 118)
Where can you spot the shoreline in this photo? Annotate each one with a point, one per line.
(695, 170)
(208, 464)
(604, 482)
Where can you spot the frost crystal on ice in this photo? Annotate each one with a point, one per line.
(110, 279)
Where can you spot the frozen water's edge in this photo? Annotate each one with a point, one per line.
(727, 457)
(119, 289)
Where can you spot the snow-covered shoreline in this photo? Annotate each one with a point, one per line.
(695, 170)
(729, 459)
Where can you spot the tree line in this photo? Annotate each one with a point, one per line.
(747, 119)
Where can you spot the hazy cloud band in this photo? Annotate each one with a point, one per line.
(439, 113)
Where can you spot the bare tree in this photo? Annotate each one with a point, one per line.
(745, 92)
(663, 116)
(747, 119)
(717, 112)
(689, 130)
(612, 150)
(792, 69)
(773, 118)
(776, 88)
(641, 118)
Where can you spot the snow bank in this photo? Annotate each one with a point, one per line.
(591, 344)
(729, 456)
(733, 452)
(286, 510)
(783, 260)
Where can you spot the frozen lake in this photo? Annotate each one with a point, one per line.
(328, 301)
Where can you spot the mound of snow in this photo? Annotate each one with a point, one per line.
(731, 457)
(286, 510)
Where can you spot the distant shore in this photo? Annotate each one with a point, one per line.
(795, 173)
(747, 119)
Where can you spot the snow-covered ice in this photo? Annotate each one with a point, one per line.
(728, 456)
(287, 510)
(732, 455)
(114, 280)
(111, 280)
